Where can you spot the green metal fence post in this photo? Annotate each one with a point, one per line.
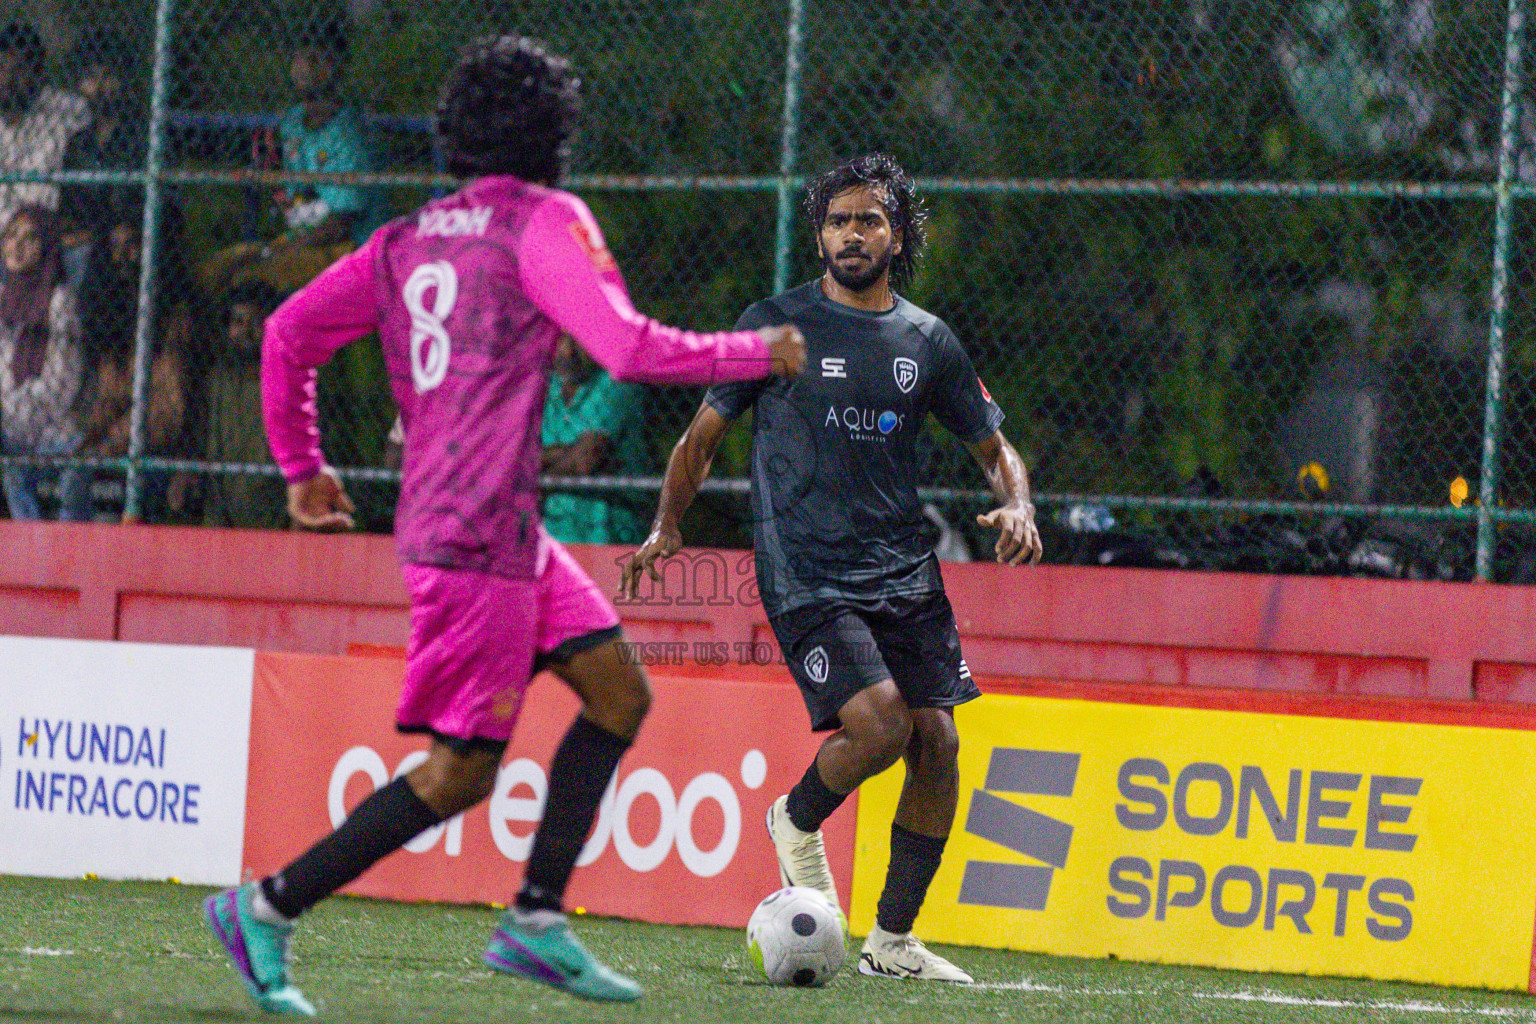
(144, 326)
(1498, 298)
(793, 56)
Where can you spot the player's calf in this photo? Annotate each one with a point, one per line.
(877, 727)
(615, 698)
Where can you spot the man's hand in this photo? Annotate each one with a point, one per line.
(321, 503)
(787, 346)
(662, 544)
(1018, 538)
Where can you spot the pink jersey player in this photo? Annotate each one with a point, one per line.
(468, 297)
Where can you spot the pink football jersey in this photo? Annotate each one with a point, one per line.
(468, 296)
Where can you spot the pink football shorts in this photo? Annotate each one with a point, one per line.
(477, 640)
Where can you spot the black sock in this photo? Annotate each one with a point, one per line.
(914, 860)
(382, 824)
(577, 778)
(812, 802)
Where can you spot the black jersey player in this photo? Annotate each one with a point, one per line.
(847, 574)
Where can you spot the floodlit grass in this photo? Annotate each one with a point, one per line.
(110, 951)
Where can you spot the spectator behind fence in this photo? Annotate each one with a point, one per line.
(1352, 72)
(592, 425)
(41, 366)
(323, 132)
(109, 314)
(102, 67)
(36, 121)
(235, 431)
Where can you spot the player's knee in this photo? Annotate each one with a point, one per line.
(634, 698)
(939, 740)
(621, 704)
(884, 739)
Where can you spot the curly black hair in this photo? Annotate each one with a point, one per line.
(905, 208)
(509, 107)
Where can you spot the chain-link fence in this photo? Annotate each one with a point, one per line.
(1251, 280)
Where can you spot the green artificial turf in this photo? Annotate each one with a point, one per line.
(108, 951)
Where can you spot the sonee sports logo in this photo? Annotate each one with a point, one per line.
(816, 664)
(831, 367)
(1019, 886)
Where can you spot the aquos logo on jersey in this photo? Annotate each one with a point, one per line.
(864, 424)
(1230, 839)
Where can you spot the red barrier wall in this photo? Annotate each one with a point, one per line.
(323, 594)
(680, 837)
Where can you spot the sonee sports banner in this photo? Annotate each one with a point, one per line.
(1230, 839)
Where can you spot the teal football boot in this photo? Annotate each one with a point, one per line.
(258, 950)
(540, 946)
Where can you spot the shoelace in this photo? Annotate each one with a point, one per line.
(911, 948)
(811, 860)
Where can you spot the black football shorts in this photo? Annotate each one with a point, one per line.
(837, 648)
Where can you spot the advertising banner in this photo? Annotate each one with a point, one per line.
(123, 760)
(680, 837)
(1392, 850)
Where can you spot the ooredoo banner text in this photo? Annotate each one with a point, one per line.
(680, 836)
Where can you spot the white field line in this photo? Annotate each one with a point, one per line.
(1275, 999)
(44, 951)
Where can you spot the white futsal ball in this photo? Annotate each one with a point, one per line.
(796, 937)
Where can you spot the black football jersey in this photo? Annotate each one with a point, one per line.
(835, 458)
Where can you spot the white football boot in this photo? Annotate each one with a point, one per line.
(887, 955)
(802, 855)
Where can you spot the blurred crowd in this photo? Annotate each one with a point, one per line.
(1355, 78)
(70, 284)
(71, 273)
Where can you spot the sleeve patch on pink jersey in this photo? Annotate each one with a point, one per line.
(591, 242)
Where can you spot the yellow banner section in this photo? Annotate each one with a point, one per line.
(1229, 839)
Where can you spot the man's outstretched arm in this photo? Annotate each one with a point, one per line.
(568, 273)
(687, 468)
(1018, 538)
